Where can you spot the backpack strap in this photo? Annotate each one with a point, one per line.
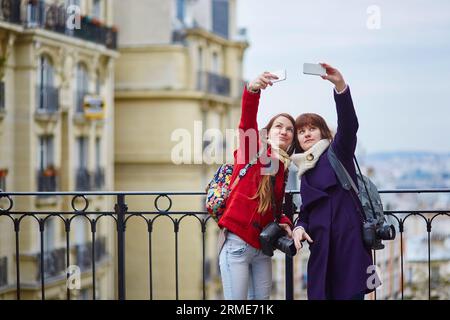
(346, 180)
(244, 170)
(365, 186)
(343, 176)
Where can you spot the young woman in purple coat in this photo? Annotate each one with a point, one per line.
(339, 263)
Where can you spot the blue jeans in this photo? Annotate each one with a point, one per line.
(246, 272)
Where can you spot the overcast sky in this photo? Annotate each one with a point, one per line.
(399, 73)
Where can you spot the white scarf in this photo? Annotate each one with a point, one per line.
(308, 159)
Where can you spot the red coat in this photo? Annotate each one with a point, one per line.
(241, 216)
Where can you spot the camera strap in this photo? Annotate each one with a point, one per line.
(275, 210)
(346, 180)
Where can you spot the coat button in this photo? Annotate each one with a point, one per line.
(310, 157)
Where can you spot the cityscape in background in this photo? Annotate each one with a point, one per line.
(418, 170)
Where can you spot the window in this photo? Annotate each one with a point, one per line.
(220, 17)
(200, 59)
(98, 84)
(35, 11)
(215, 63)
(97, 9)
(98, 152)
(47, 98)
(83, 177)
(82, 86)
(82, 152)
(180, 9)
(46, 179)
(72, 2)
(45, 152)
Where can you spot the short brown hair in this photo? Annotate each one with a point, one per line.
(313, 120)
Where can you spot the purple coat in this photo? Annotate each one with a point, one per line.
(337, 266)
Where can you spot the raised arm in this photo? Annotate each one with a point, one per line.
(248, 125)
(344, 142)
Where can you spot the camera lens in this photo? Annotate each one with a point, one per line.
(286, 245)
(386, 232)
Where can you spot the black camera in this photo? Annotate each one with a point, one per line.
(374, 231)
(274, 237)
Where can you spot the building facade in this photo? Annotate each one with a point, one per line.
(54, 56)
(179, 74)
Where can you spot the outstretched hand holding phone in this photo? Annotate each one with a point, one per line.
(334, 76)
(262, 81)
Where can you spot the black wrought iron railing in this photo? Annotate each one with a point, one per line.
(120, 216)
(54, 17)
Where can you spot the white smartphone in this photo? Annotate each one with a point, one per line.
(281, 74)
(314, 69)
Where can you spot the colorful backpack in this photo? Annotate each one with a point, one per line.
(218, 189)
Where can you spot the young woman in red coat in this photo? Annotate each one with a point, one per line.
(246, 272)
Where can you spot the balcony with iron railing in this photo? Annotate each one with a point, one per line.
(54, 263)
(10, 11)
(84, 253)
(213, 83)
(432, 288)
(55, 260)
(54, 17)
(98, 179)
(83, 180)
(47, 179)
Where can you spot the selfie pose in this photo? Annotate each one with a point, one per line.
(329, 217)
(256, 198)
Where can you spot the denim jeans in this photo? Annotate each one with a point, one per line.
(246, 272)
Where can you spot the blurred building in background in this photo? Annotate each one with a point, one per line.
(179, 72)
(51, 141)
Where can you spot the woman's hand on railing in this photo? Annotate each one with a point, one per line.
(300, 235)
(261, 82)
(334, 76)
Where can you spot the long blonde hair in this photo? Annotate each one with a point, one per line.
(265, 189)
